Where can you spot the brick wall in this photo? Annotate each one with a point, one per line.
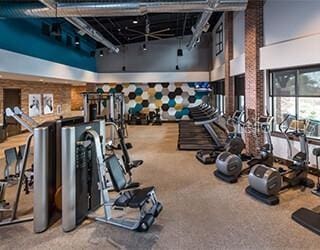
(254, 80)
(76, 97)
(228, 54)
(61, 96)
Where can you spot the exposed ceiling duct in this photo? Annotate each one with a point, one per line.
(215, 5)
(73, 11)
(105, 8)
(83, 26)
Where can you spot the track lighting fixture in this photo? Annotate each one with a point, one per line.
(101, 52)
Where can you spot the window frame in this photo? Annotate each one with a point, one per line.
(296, 95)
(219, 39)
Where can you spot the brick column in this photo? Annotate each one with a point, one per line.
(228, 56)
(91, 87)
(254, 80)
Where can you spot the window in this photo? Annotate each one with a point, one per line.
(297, 92)
(239, 92)
(219, 39)
(218, 95)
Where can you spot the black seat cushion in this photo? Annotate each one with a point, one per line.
(140, 197)
(134, 198)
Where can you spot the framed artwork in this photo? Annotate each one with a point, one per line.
(47, 104)
(34, 104)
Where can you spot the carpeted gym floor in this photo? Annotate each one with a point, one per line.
(200, 212)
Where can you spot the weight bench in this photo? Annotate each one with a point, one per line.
(144, 200)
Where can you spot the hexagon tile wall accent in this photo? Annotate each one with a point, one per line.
(172, 98)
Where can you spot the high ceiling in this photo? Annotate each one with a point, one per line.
(120, 30)
(124, 30)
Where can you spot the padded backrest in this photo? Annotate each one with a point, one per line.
(11, 156)
(116, 173)
(21, 151)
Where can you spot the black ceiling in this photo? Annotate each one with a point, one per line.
(117, 29)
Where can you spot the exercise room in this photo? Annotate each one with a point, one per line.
(160, 124)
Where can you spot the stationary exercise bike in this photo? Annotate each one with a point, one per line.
(229, 165)
(266, 183)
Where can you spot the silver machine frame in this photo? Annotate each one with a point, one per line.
(69, 183)
(115, 106)
(41, 200)
(68, 144)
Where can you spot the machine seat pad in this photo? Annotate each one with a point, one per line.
(137, 163)
(140, 197)
(133, 198)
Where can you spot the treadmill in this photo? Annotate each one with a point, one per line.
(203, 133)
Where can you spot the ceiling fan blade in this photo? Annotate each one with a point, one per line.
(135, 31)
(160, 31)
(168, 35)
(155, 37)
(135, 37)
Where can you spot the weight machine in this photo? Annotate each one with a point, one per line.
(110, 106)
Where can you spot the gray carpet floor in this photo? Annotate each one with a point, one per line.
(200, 211)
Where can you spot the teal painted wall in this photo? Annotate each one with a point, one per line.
(24, 36)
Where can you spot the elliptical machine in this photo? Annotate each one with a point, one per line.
(234, 143)
(229, 164)
(265, 183)
(306, 217)
(266, 151)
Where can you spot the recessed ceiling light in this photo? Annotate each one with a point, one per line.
(101, 52)
(135, 21)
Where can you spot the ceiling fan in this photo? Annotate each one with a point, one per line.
(159, 34)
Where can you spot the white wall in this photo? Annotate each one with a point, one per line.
(218, 71)
(153, 77)
(238, 33)
(291, 34)
(18, 64)
(22, 67)
(290, 19)
(299, 52)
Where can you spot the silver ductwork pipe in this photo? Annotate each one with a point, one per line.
(104, 8)
(99, 9)
(83, 26)
(215, 5)
(198, 29)
(72, 12)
